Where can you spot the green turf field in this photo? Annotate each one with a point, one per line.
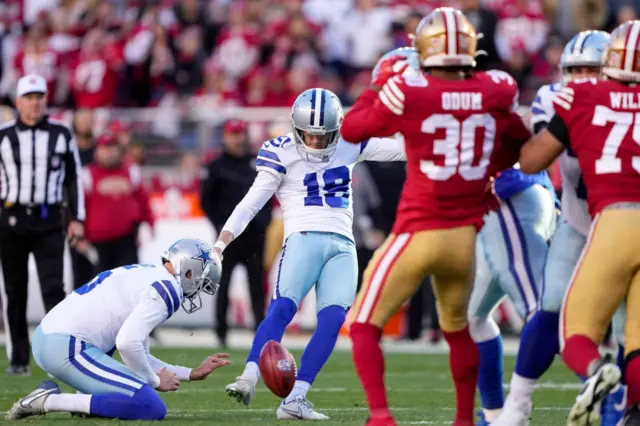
(419, 387)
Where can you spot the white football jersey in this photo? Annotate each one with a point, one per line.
(314, 196)
(574, 193)
(96, 312)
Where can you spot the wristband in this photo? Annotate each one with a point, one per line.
(221, 245)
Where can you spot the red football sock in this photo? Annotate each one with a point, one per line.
(369, 362)
(632, 376)
(464, 361)
(579, 353)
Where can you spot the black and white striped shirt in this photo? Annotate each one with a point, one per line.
(38, 163)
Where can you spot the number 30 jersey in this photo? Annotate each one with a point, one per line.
(599, 120)
(313, 196)
(457, 133)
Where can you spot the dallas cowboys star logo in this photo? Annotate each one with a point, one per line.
(203, 256)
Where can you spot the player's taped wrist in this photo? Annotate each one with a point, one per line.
(221, 245)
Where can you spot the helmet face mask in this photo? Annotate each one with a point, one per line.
(196, 268)
(317, 112)
(585, 50)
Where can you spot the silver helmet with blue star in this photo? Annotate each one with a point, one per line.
(585, 49)
(196, 268)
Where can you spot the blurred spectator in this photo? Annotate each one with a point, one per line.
(189, 61)
(627, 12)
(36, 57)
(546, 65)
(366, 211)
(590, 14)
(521, 33)
(365, 30)
(239, 42)
(116, 205)
(83, 130)
(95, 71)
(485, 21)
(227, 180)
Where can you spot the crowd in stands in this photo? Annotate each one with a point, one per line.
(218, 53)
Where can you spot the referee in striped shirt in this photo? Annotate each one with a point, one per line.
(39, 165)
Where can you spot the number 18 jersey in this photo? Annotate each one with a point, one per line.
(315, 195)
(457, 133)
(599, 120)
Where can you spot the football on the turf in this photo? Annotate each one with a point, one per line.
(277, 368)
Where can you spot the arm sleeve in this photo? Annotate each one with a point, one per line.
(261, 191)
(73, 181)
(558, 129)
(183, 373)
(134, 334)
(370, 116)
(382, 149)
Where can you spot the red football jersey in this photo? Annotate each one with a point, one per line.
(602, 120)
(95, 78)
(456, 133)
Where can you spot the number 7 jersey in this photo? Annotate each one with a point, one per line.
(599, 120)
(457, 133)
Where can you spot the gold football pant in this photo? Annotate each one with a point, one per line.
(607, 274)
(400, 265)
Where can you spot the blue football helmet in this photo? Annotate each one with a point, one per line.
(585, 49)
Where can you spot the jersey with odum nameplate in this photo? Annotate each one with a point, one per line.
(314, 195)
(599, 121)
(574, 193)
(457, 133)
(96, 311)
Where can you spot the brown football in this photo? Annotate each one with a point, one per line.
(277, 368)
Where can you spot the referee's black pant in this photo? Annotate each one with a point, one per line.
(247, 250)
(24, 231)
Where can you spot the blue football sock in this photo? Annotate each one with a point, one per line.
(279, 315)
(145, 404)
(538, 345)
(319, 348)
(620, 362)
(490, 374)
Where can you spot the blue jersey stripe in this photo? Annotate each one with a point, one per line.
(269, 155)
(174, 295)
(266, 163)
(312, 117)
(363, 145)
(537, 100)
(536, 110)
(322, 99)
(165, 296)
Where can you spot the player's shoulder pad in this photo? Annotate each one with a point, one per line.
(565, 98)
(275, 154)
(170, 292)
(501, 78)
(394, 93)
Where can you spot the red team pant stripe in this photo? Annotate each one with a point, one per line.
(563, 314)
(380, 275)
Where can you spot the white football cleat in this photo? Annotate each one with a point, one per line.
(586, 410)
(511, 417)
(243, 390)
(33, 404)
(298, 408)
